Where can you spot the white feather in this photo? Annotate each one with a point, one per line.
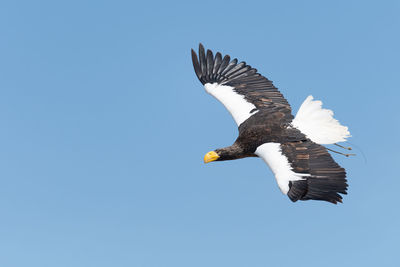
(318, 123)
(271, 153)
(235, 103)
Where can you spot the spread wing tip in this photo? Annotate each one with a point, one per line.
(200, 63)
(196, 65)
(326, 190)
(212, 68)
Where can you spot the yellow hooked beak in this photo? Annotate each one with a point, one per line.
(210, 156)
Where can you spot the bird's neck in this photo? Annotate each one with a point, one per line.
(234, 151)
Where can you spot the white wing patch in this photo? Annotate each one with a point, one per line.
(235, 103)
(318, 123)
(271, 153)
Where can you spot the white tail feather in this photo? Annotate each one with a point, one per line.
(318, 123)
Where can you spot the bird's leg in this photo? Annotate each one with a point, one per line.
(344, 147)
(347, 155)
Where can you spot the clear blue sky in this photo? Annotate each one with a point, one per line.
(104, 126)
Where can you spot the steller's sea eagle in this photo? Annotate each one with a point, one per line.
(291, 146)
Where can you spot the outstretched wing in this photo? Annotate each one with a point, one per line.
(305, 170)
(237, 86)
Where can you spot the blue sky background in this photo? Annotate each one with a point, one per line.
(104, 126)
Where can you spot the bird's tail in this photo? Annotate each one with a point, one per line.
(318, 123)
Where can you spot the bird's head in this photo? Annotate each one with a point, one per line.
(227, 153)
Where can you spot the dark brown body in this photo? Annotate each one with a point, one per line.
(262, 127)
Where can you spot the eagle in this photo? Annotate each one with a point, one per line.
(291, 146)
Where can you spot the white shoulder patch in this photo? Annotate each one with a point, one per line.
(235, 103)
(271, 153)
(318, 123)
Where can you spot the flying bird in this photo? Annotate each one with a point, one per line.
(291, 146)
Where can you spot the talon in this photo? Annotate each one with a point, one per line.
(344, 147)
(346, 155)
